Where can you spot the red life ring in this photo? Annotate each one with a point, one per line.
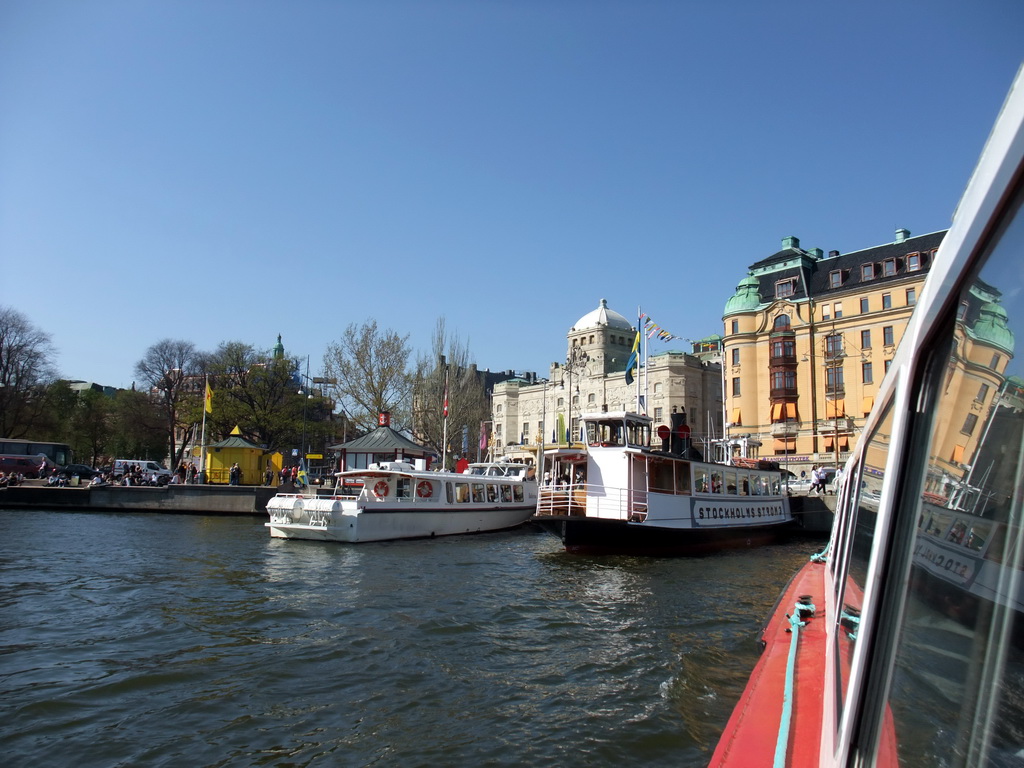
(380, 490)
(424, 489)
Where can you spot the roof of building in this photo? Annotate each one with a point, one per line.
(603, 317)
(814, 274)
(383, 440)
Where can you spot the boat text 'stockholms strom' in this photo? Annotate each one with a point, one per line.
(903, 643)
(621, 496)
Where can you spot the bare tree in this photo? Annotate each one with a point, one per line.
(26, 369)
(371, 370)
(167, 371)
(447, 380)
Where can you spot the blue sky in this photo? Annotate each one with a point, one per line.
(228, 171)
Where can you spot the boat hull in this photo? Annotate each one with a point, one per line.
(599, 536)
(349, 523)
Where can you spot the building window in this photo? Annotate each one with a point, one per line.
(657, 414)
(982, 393)
(736, 386)
(865, 339)
(888, 267)
(497, 409)
(867, 271)
(995, 363)
(834, 380)
(911, 296)
(560, 403)
(969, 424)
(826, 312)
(526, 431)
(785, 288)
(782, 323)
(866, 374)
(864, 306)
(961, 311)
(888, 363)
(886, 301)
(837, 310)
(835, 278)
(834, 345)
(888, 337)
(736, 356)
(783, 348)
(735, 326)
(913, 262)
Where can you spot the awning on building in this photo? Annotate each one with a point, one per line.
(736, 420)
(835, 409)
(867, 404)
(958, 454)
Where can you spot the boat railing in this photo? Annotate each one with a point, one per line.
(583, 499)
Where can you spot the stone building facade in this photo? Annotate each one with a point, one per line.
(592, 379)
(808, 338)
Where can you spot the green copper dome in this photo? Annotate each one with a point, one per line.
(991, 327)
(746, 298)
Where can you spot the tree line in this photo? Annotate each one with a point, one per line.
(275, 401)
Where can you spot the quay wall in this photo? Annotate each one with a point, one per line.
(183, 499)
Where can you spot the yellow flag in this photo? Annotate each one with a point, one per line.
(209, 398)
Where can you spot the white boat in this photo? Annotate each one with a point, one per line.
(620, 496)
(903, 643)
(395, 500)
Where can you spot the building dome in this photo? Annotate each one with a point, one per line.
(602, 317)
(746, 298)
(992, 327)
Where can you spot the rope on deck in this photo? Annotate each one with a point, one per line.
(803, 607)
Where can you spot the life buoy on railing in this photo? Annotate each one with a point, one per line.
(424, 489)
(380, 490)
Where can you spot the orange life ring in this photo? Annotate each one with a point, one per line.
(424, 489)
(380, 490)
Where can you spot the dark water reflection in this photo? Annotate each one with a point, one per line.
(189, 641)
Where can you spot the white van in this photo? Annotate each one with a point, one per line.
(148, 468)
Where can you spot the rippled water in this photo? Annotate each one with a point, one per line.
(158, 640)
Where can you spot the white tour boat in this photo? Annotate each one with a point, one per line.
(622, 496)
(903, 642)
(395, 500)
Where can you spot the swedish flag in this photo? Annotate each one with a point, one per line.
(634, 359)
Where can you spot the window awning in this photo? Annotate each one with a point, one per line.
(958, 454)
(736, 417)
(777, 411)
(790, 411)
(835, 409)
(830, 445)
(867, 404)
(787, 444)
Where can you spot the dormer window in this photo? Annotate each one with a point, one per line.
(835, 278)
(914, 262)
(867, 272)
(888, 267)
(785, 288)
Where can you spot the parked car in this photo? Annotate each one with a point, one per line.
(83, 471)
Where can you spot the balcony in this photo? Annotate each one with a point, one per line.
(785, 429)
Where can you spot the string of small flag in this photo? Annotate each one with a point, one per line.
(652, 329)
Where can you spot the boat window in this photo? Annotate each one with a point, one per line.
(478, 493)
(462, 492)
(716, 482)
(492, 492)
(958, 654)
(701, 479)
(744, 485)
(403, 487)
(682, 477)
(449, 493)
(660, 475)
(730, 483)
(517, 492)
(506, 493)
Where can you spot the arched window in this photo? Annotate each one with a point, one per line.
(591, 398)
(657, 388)
(782, 323)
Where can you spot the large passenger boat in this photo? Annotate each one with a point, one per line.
(395, 500)
(903, 643)
(620, 495)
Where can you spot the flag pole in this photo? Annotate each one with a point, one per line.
(207, 406)
(444, 431)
